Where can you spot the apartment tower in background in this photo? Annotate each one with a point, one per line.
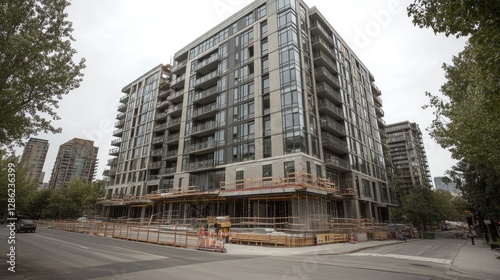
(33, 158)
(76, 159)
(269, 114)
(408, 155)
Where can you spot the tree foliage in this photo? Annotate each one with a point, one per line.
(479, 186)
(466, 119)
(36, 66)
(72, 200)
(14, 177)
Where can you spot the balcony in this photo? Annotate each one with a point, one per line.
(329, 124)
(120, 116)
(157, 152)
(172, 139)
(155, 165)
(205, 112)
(383, 134)
(124, 99)
(200, 165)
(109, 172)
(174, 123)
(162, 104)
(122, 108)
(208, 80)
(318, 43)
(203, 129)
(203, 66)
(153, 177)
(171, 154)
(167, 170)
(336, 163)
(330, 109)
(206, 96)
(180, 67)
(375, 90)
(321, 74)
(381, 122)
(321, 59)
(118, 132)
(112, 162)
(158, 139)
(160, 127)
(378, 100)
(317, 29)
(202, 147)
(116, 142)
(164, 93)
(178, 82)
(379, 111)
(175, 111)
(114, 152)
(161, 116)
(326, 91)
(176, 97)
(334, 143)
(120, 124)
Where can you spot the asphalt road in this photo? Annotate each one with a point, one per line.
(53, 254)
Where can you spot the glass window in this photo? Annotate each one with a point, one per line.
(264, 47)
(267, 147)
(266, 123)
(289, 168)
(265, 64)
(285, 4)
(267, 170)
(249, 19)
(261, 11)
(265, 84)
(263, 29)
(266, 104)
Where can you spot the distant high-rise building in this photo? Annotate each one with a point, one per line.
(269, 114)
(444, 183)
(407, 153)
(76, 158)
(33, 158)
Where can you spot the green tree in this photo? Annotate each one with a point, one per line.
(15, 178)
(466, 119)
(418, 207)
(73, 200)
(36, 66)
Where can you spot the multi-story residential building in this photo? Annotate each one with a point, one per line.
(269, 114)
(408, 155)
(76, 159)
(444, 183)
(33, 158)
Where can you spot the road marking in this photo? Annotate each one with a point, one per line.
(405, 257)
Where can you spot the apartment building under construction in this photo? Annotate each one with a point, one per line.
(268, 115)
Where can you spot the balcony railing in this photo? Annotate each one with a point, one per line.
(336, 162)
(204, 126)
(114, 151)
(172, 153)
(116, 142)
(213, 58)
(324, 90)
(202, 94)
(334, 143)
(175, 95)
(204, 109)
(124, 99)
(329, 124)
(172, 137)
(155, 165)
(331, 109)
(200, 165)
(167, 170)
(208, 77)
(202, 146)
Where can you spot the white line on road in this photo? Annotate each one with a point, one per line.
(405, 257)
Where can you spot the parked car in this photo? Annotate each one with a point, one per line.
(82, 220)
(25, 225)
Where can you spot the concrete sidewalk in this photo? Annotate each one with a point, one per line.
(478, 261)
(334, 249)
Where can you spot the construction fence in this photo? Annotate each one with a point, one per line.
(243, 231)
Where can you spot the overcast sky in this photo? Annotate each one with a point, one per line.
(121, 40)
